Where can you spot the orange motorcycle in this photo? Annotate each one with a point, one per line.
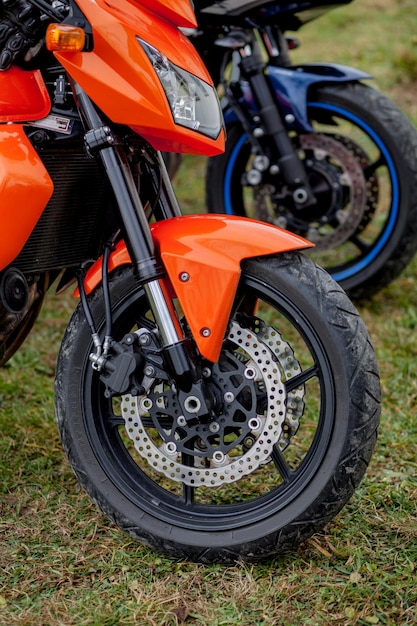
(217, 393)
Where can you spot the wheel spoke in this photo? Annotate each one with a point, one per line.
(188, 495)
(280, 463)
(115, 421)
(360, 244)
(301, 379)
(373, 167)
(188, 490)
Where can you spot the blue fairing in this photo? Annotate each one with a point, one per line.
(291, 85)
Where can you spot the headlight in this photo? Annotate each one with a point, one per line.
(193, 102)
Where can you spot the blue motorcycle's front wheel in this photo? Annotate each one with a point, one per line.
(361, 162)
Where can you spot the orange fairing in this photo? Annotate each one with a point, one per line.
(118, 75)
(25, 189)
(202, 256)
(179, 12)
(23, 96)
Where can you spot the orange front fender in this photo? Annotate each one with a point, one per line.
(202, 256)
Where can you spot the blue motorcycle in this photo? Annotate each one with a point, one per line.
(310, 148)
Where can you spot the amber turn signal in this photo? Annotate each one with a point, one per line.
(64, 38)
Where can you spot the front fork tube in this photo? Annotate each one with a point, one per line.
(101, 142)
(291, 168)
(178, 351)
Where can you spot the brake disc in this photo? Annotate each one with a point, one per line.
(372, 180)
(256, 413)
(338, 166)
(290, 367)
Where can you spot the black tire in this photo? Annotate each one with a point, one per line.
(299, 458)
(362, 164)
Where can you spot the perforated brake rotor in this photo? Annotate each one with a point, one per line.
(262, 414)
(333, 162)
(372, 180)
(290, 367)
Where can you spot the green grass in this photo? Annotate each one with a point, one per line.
(376, 36)
(63, 564)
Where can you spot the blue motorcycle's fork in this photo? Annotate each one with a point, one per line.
(117, 362)
(268, 118)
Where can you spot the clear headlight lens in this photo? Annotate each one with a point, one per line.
(193, 102)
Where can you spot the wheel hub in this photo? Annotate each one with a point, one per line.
(339, 184)
(253, 413)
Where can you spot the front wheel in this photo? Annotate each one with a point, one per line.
(297, 410)
(361, 161)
